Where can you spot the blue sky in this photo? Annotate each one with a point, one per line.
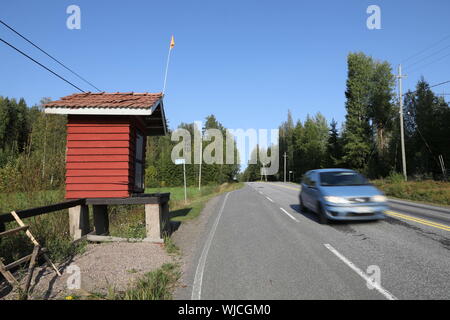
(247, 62)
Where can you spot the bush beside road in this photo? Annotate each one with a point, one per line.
(431, 192)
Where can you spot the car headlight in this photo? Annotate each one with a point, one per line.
(338, 200)
(378, 198)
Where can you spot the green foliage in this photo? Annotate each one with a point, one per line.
(51, 230)
(427, 131)
(32, 147)
(154, 285)
(162, 172)
(428, 191)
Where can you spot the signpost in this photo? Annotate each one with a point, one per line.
(183, 162)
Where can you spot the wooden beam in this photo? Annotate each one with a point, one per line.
(142, 199)
(22, 260)
(11, 231)
(27, 213)
(95, 238)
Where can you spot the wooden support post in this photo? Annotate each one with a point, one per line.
(101, 219)
(33, 239)
(79, 221)
(31, 267)
(8, 276)
(153, 222)
(2, 229)
(166, 227)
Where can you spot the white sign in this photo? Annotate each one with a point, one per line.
(180, 161)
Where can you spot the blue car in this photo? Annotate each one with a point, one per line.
(341, 194)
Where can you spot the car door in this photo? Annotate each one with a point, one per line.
(306, 191)
(313, 191)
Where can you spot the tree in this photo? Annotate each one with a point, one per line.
(357, 135)
(426, 130)
(334, 147)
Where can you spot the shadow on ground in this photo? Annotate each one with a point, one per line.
(174, 225)
(344, 225)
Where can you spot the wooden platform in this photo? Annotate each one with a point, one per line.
(156, 214)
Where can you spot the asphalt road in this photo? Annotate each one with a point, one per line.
(259, 245)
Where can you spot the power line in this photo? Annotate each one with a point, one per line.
(433, 86)
(43, 51)
(428, 64)
(18, 50)
(427, 48)
(423, 59)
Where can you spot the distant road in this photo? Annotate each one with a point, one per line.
(260, 246)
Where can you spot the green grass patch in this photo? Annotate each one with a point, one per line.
(51, 230)
(181, 211)
(429, 191)
(154, 285)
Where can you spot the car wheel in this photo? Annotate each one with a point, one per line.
(323, 219)
(302, 205)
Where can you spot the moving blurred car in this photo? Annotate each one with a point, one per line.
(341, 194)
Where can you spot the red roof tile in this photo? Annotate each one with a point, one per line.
(107, 100)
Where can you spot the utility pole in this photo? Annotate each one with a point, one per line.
(402, 133)
(285, 166)
(200, 168)
(184, 175)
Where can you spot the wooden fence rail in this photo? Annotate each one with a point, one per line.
(28, 213)
(156, 212)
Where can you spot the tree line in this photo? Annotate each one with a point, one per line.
(369, 138)
(33, 146)
(161, 171)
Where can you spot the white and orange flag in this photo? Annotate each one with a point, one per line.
(172, 43)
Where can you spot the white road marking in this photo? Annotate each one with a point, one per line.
(290, 215)
(376, 286)
(198, 279)
(269, 199)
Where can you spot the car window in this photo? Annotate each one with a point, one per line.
(342, 178)
(313, 179)
(307, 179)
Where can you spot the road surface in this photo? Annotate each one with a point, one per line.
(260, 246)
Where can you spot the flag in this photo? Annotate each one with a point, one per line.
(172, 43)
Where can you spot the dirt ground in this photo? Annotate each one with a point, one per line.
(102, 267)
(116, 265)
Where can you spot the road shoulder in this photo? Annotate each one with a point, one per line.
(190, 237)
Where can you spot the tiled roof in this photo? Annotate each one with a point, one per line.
(119, 100)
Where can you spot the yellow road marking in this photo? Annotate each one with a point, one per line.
(418, 220)
(393, 214)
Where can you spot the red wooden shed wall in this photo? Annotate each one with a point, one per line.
(100, 156)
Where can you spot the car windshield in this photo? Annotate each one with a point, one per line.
(342, 178)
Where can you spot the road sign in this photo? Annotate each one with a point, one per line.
(183, 162)
(180, 161)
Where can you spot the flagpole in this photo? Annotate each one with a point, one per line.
(172, 44)
(167, 68)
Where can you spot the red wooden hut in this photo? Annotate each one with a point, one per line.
(106, 138)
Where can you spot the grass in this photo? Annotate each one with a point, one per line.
(51, 230)
(427, 191)
(154, 285)
(181, 211)
(128, 221)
